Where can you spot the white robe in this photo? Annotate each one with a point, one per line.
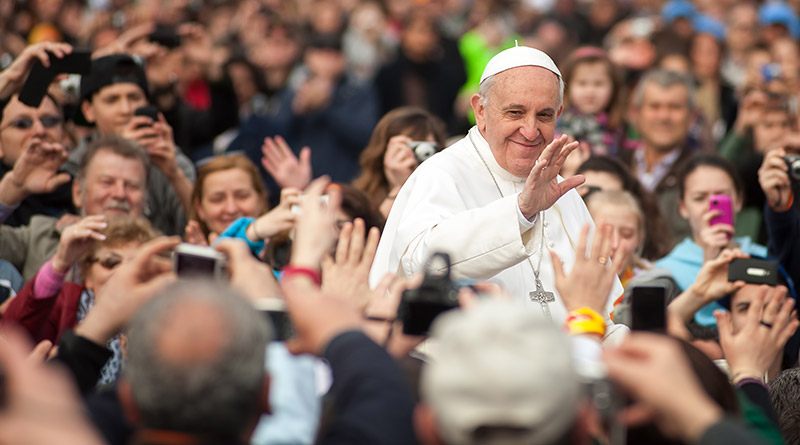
(451, 204)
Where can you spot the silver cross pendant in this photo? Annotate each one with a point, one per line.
(542, 297)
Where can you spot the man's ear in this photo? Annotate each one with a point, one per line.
(88, 111)
(560, 110)
(126, 401)
(480, 110)
(77, 194)
(425, 425)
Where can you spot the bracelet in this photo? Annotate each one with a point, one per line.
(585, 321)
(741, 375)
(312, 274)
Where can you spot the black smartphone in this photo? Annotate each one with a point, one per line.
(40, 77)
(274, 310)
(150, 111)
(648, 309)
(753, 271)
(166, 36)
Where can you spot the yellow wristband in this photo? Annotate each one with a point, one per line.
(585, 321)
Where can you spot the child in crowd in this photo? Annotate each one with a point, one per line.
(592, 111)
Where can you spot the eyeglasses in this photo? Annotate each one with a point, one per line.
(26, 123)
(108, 262)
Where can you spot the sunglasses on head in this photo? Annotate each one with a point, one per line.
(108, 262)
(25, 123)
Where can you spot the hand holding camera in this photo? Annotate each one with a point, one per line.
(775, 177)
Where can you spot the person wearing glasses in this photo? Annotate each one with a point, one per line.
(47, 306)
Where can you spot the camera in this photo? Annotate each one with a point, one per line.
(423, 149)
(189, 260)
(274, 311)
(793, 162)
(437, 294)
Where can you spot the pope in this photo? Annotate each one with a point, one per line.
(494, 200)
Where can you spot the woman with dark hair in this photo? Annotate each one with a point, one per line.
(705, 176)
(394, 152)
(607, 173)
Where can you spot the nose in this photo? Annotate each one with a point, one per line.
(230, 205)
(530, 128)
(38, 128)
(126, 107)
(118, 190)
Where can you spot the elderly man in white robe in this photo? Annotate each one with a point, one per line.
(494, 201)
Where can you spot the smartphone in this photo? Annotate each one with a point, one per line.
(189, 260)
(274, 310)
(648, 309)
(166, 36)
(40, 77)
(753, 271)
(147, 110)
(723, 204)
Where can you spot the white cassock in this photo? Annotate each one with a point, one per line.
(451, 204)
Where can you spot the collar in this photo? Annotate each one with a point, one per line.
(480, 143)
(665, 162)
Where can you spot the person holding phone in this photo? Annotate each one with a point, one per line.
(710, 197)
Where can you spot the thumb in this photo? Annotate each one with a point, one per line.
(57, 181)
(570, 183)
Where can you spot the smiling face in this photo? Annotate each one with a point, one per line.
(227, 195)
(113, 185)
(518, 118)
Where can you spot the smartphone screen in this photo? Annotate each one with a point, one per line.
(649, 309)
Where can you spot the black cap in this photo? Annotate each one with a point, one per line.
(110, 70)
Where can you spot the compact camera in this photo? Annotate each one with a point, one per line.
(193, 261)
(424, 149)
(793, 162)
(437, 294)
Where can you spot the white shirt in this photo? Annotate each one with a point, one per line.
(451, 204)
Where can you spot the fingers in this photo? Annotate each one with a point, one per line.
(371, 247)
(236, 250)
(570, 183)
(755, 312)
(582, 241)
(152, 248)
(40, 352)
(305, 157)
(357, 240)
(343, 246)
(557, 268)
(724, 326)
(601, 245)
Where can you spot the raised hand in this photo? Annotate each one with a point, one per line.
(315, 231)
(714, 238)
(755, 348)
(76, 241)
(194, 235)
(278, 220)
(773, 177)
(287, 169)
(13, 77)
(542, 188)
(131, 285)
(249, 276)
(346, 275)
(398, 161)
(592, 277)
(35, 172)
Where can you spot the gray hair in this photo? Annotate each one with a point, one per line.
(212, 397)
(665, 79)
(486, 87)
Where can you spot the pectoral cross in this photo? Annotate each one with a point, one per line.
(542, 297)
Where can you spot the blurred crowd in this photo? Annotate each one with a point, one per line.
(271, 139)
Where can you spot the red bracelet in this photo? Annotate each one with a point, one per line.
(312, 274)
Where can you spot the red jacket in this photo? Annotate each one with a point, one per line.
(44, 318)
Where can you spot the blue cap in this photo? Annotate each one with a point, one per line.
(779, 13)
(676, 9)
(704, 24)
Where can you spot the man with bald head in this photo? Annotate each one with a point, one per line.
(494, 200)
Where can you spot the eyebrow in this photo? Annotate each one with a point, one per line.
(513, 106)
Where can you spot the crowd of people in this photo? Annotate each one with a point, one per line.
(429, 221)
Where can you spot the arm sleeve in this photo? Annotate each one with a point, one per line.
(783, 238)
(83, 358)
(727, 431)
(6, 211)
(30, 313)
(14, 242)
(372, 400)
(758, 394)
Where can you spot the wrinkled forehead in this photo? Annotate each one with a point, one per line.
(525, 83)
